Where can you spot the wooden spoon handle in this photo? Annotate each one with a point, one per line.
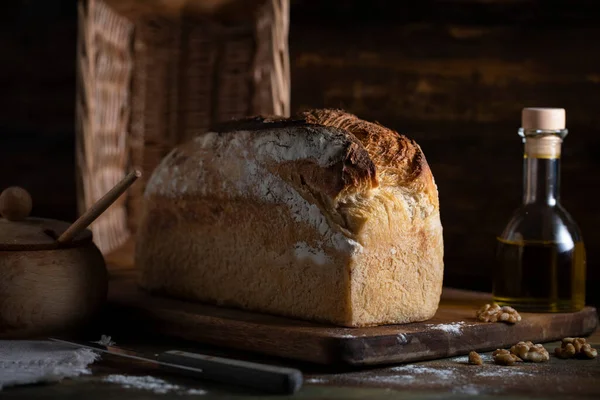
(99, 207)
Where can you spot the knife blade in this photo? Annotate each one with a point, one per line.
(263, 377)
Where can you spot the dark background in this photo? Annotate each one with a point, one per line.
(452, 74)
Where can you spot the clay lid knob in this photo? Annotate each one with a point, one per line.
(15, 203)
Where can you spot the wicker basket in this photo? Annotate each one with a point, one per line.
(149, 79)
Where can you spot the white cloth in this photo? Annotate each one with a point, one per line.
(27, 361)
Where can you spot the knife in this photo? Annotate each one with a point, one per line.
(264, 377)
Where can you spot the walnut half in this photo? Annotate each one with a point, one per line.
(527, 351)
(474, 358)
(572, 347)
(495, 313)
(589, 351)
(567, 350)
(505, 357)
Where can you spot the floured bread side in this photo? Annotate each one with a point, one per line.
(326, 218)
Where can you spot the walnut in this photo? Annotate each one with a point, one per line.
(495, 313)
(588, 351)
(527, 351)
(474, 358)
(504, 357)
(576, 342)
(573, 347)
(566, 351)
(488, 313)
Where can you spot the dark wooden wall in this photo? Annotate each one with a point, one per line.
(452, 74)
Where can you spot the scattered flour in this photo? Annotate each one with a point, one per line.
(502, 371)
(465, 359)
(391, 379)
(454, 379)
(195, 391)
(150, 383)
(315, 379)
(454, 328)
(402, 379)
(472, 390)
(444, 374)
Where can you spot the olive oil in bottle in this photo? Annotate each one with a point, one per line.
(540, 256)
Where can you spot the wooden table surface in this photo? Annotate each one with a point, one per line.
(449, 378)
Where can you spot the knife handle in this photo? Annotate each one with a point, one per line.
(269, 378)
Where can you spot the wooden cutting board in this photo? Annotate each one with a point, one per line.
(453, 330)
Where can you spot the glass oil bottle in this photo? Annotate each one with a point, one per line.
(540, 257)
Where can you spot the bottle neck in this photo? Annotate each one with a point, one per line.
(541, 166)
(541, 181)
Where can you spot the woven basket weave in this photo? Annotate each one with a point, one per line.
(150, 81)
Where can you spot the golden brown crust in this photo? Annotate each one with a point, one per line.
(399, 160)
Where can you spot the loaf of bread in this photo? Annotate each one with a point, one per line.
(323, 217)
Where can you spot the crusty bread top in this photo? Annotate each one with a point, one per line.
(351, 170)
(323, 164)
(398, 160)
(376, 154)
(395, 156)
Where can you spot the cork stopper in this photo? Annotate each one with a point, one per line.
(541, 118)
(545, 119)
